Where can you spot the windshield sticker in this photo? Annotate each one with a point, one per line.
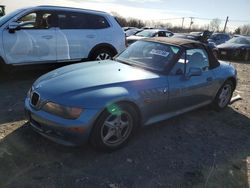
(159, 52)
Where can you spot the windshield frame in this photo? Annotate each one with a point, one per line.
(167, 66)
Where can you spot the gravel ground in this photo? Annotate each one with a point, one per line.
(202, 148)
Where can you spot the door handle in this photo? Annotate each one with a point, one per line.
(47, 37)
(90, 36)
(209, 79)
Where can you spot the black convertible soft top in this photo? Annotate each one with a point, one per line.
(187, 44)
(172, 40)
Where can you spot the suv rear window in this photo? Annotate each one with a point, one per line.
(74, 20)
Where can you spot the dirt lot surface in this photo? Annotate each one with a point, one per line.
(203, 148)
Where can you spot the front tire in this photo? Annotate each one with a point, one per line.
(224, 95)
(114, 127)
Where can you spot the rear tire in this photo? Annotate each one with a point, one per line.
(114, 127)
(224, 95)
(102, 54)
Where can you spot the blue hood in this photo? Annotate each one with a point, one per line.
(87, 76)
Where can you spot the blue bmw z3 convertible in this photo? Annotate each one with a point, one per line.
(105, 101)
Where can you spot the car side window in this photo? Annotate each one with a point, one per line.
(161, 34)
(196, 58)
(168, 34)
(28, 21)
(38, 20)
(75, 20)
(179, 67)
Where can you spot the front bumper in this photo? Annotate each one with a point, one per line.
(60, 130)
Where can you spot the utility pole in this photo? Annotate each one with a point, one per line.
(182, 22)
(225, 25)
(191, 22)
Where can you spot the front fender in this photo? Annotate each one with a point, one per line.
(98, 98)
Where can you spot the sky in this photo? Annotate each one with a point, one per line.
(170, 11)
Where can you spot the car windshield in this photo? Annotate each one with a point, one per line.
(146, 33)
(131, 32)
(195, 33)
(150, 55)
(240, 40)
(7, 17)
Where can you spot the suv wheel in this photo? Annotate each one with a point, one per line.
(102, 54)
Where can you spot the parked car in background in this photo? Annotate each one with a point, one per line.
(132, 31)
(51, 34)
(127, 28)
(236, 48)
(106, 101)
(199, 36)
(196, 33)
(148, 33)
(205, 34)
(147, 27)
(219, 38)
(2, 10)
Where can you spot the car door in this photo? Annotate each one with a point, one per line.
(32, 41)
(77, 35)
(161, 34)
(188, 91)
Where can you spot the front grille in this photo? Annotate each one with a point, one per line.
(34, 98)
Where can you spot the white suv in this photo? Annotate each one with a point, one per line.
(51, 34)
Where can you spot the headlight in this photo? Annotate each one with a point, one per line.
(62, 111)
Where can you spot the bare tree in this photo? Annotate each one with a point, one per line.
(128, 22)
(205, 27)
(215, 24)
(245, 29)
(237, 30)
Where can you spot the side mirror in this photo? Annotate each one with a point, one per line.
(193, 71)
(13, 26)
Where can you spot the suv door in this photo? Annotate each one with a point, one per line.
(187, 91)
(78, 33)
(73, 41)
(33, 40)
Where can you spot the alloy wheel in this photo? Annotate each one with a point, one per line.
(225, 95)
(116, 128)
(103, 56)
